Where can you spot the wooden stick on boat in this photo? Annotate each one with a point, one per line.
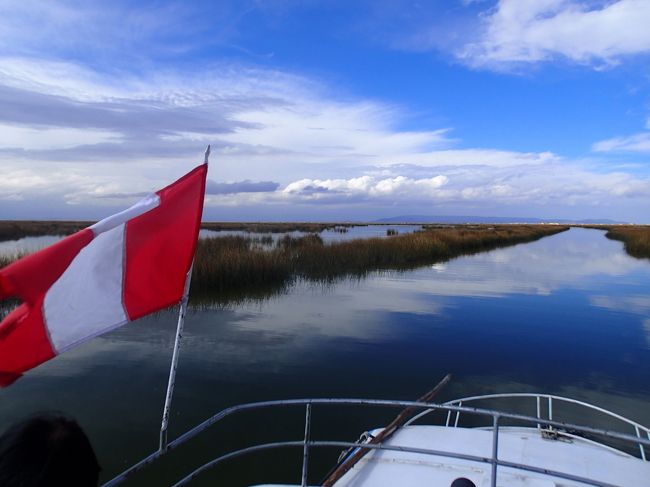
(386, 433)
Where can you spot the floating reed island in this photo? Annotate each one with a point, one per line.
(238, 267)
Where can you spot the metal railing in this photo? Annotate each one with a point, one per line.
(451, 408)
(549, 399)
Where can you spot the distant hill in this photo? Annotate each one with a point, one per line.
(485, 219)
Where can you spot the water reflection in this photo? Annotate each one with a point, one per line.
(350, 233)
(568, 314)
(26, 245)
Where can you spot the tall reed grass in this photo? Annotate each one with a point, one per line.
(15, 229)
(230, 266)
(635, 238)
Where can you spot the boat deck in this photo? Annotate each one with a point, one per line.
(515, 451)
(527, 446)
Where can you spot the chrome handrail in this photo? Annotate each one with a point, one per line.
(429, 407)
(638, 428)
(343, 444)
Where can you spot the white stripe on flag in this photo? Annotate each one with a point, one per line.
(147, 203)
(87, 299)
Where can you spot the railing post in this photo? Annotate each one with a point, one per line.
(638, 434)
(539, 410)
(495, 450)
(550, 411)
(460, 404)
(305, 448)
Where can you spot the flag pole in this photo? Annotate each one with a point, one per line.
(174, 365)
(177, 346)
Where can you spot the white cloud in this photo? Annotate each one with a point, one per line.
(631, 143)
(367, 187)
(122, 32)
(12, 137)
(91, 140)
(639, 304)
(553, 185)
(471, 157)
(528, 31)
(313, 126)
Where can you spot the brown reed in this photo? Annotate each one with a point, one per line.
(635, 238)
(232, 268)
(237, 264)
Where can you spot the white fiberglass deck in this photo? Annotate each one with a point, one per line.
(578, 457)
(515, 451)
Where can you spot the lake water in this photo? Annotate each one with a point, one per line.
(32, 244)
(12, 248)
(361, 231)
(568, 314)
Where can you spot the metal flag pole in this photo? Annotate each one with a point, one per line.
(177, 346)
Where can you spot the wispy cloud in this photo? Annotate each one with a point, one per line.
(278, 139)
(118, 33)
(531, 31)
(631, 143)
(505, 35)
(91, 118)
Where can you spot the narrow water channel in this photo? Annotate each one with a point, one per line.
(568, 314)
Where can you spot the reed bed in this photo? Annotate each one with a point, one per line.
(235, 268)
(15, 229)
(232, 266)
(635, 238)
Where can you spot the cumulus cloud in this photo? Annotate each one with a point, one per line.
(72, 135)
(278, 139)
(261, 123)
(529, 31)
(367, 187)
(410, 187)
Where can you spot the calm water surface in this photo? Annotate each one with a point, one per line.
(32, 244)
(27, 244)
(362, 231)
(569, 314)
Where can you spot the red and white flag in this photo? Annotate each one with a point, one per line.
(115, 271)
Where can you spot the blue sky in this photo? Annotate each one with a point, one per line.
(321, 110)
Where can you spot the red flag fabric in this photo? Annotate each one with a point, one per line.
(122, 268)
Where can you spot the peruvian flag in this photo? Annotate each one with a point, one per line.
(115, 271)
